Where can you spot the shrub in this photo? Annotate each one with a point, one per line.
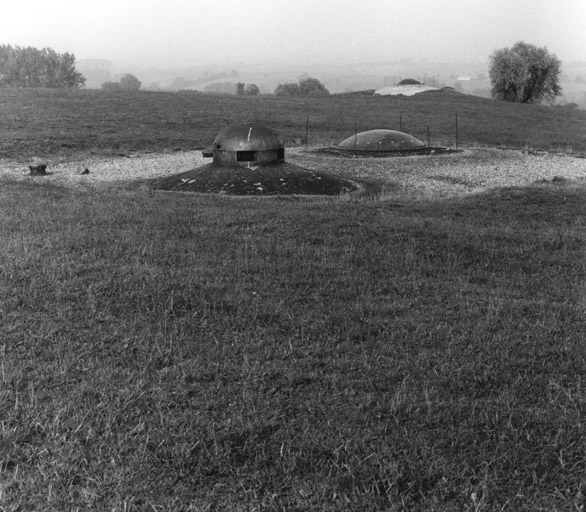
(306, 87)
(126, 83)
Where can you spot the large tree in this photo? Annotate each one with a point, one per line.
(30, 67)
(312, 87)
(129, 83)
(525, 74)
(306, 87)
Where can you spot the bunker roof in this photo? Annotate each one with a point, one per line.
(248, 137)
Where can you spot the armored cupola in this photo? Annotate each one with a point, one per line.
(380, 141)
(248, 145)
(409, 81)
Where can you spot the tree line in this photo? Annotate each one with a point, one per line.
(523, 73)
(306, 87)
(30, 67)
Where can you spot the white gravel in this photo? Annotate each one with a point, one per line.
(108, 169)
(471, 171)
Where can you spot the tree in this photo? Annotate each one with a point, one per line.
(252, 90)
(30, 67)
(129, 83)
(240, 89)
(287, 90)
(525, 74)
(126, 83)
(312, 87)
(110, 86)
(305, 87)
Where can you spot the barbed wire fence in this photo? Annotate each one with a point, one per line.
(447, 135)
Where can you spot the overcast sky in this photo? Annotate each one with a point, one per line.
(193, 32)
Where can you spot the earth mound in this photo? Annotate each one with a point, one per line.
(274, 179)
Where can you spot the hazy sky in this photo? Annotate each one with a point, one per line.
(193, 32)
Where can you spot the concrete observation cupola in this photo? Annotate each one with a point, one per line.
(249, 159)
(248, 145)
(373, 141)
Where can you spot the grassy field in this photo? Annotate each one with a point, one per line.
(44, 122)
(205, 353)
(177, 352)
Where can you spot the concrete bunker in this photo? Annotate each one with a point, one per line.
(38, 167)
(248, 145)
(249, 159)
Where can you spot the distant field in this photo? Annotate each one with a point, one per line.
(49, 123)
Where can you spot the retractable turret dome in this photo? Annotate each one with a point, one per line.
(380, 141)
(248, 145)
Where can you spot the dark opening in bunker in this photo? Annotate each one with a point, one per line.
(246, 156)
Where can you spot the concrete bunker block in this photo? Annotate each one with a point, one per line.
(38, 167)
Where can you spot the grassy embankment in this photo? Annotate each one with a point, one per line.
(177, 352)
(52, 123)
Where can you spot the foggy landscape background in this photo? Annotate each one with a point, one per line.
(348, 45)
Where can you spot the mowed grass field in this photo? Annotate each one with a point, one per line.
(64, 123)
(177, 352)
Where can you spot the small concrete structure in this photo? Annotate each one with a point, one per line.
(374, 141)
(409, 81)
(249, 159)
(38, 167)
(247, 145)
